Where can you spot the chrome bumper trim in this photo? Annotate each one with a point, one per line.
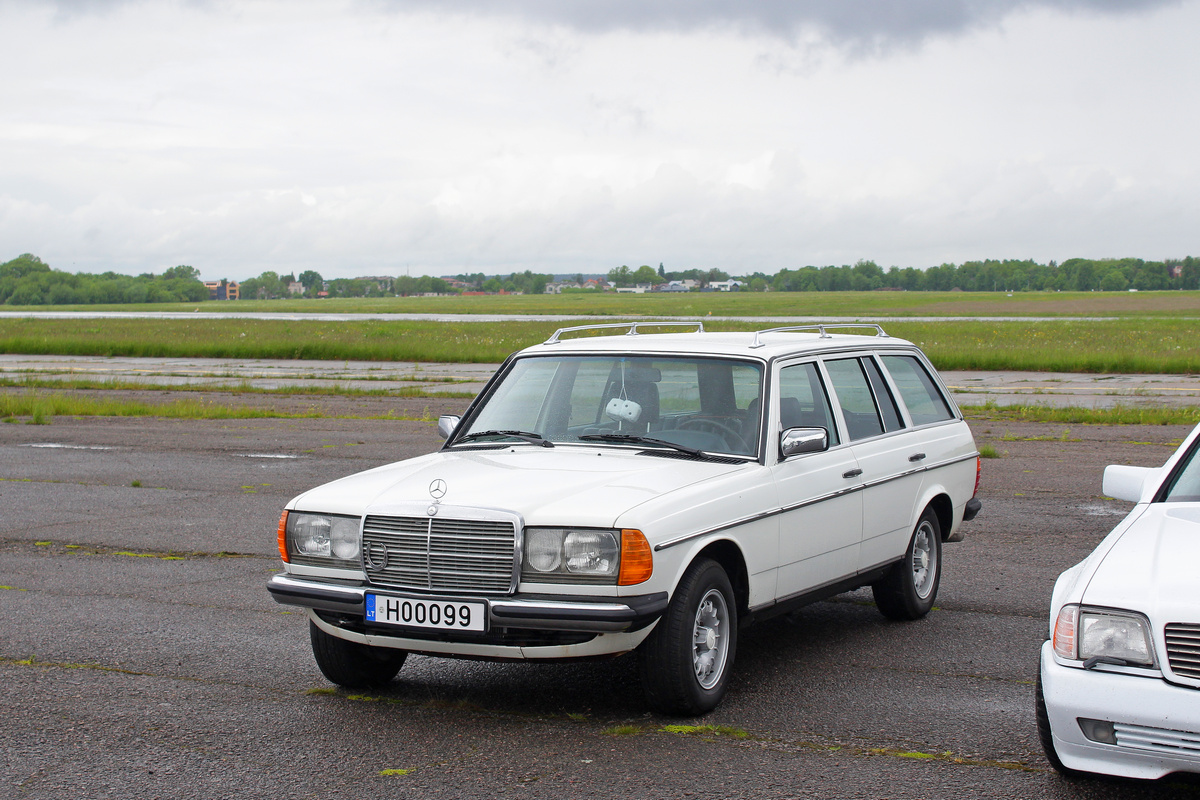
(321, 596)
(541, 612)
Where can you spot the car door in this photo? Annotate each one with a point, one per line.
(939, 435)
(820, 526)
(886, 452)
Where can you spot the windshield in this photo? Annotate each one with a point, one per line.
(1185, 486)
(706, 404)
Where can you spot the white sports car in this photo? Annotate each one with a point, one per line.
(1119, 686)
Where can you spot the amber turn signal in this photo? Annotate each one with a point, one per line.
(637, 560)
(282, 537)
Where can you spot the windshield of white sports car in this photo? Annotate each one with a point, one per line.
(1185, 484)
(689, 405)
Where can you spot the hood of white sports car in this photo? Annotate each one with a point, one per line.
(1153, 567)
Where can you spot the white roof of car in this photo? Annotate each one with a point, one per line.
(764, 344)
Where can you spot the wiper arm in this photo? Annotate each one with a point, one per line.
(1094, 660)
(526, 436)
(630, 438)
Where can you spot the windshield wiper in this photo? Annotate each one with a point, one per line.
(526, 436)
(630, 438)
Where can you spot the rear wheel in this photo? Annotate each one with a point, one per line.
(354, 665)
(686, 661)
(909, 588)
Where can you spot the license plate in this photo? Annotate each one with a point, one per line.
(422, 612)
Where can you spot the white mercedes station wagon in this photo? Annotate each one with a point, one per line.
(1118, 691)
(643, 492)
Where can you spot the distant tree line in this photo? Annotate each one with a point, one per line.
(29, 281)
(1076, 274)
(516, 283)
(271, 285)
(623, 276)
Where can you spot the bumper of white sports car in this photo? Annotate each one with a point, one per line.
(1134, 726)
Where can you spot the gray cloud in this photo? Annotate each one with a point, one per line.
(857, 24)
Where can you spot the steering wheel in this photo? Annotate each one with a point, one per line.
(731, 437)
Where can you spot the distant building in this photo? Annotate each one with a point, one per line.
(725, 286)
(222, 290)
(295, 287)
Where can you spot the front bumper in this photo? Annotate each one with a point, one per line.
(1157, 723)
(523, 611)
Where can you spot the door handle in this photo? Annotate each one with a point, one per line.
(917, 457)
(854, 473)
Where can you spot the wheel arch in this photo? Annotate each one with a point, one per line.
(943, 507)
(727, 553)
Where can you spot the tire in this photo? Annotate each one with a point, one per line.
(353, 665)
(687, 659)
(1044, 734)
(909, 588)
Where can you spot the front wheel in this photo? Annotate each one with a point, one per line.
(354, 665)
(909, 588)
(1044, 734)
(686, 661)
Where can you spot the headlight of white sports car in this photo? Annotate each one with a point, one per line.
(1082, 633)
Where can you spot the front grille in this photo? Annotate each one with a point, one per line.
(1183, 649)
(440, 555)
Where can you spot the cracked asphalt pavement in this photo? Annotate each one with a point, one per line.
(141, 656)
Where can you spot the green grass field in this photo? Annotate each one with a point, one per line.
(745, 304)
(40, 407)
(1155, 344)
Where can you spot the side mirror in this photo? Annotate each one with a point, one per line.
(797, 441)
(447, 424)
(1128, 483)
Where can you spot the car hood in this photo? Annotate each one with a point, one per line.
(1152, 567)
(588, 487)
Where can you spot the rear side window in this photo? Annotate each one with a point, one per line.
(855, 397)
(918, 390)
(883, 397)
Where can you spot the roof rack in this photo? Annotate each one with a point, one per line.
(632, 326)
(822, 328)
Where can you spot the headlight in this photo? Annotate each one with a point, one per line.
(323, 539)
(586, 555)
(1083, 633)
(571, 555)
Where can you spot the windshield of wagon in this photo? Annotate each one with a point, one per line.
(707, 404)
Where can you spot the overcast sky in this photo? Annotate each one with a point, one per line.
(369, 137)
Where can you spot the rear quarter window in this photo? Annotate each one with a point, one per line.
(918, 390)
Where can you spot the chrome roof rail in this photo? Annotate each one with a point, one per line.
(822, 328)
(632, 326)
